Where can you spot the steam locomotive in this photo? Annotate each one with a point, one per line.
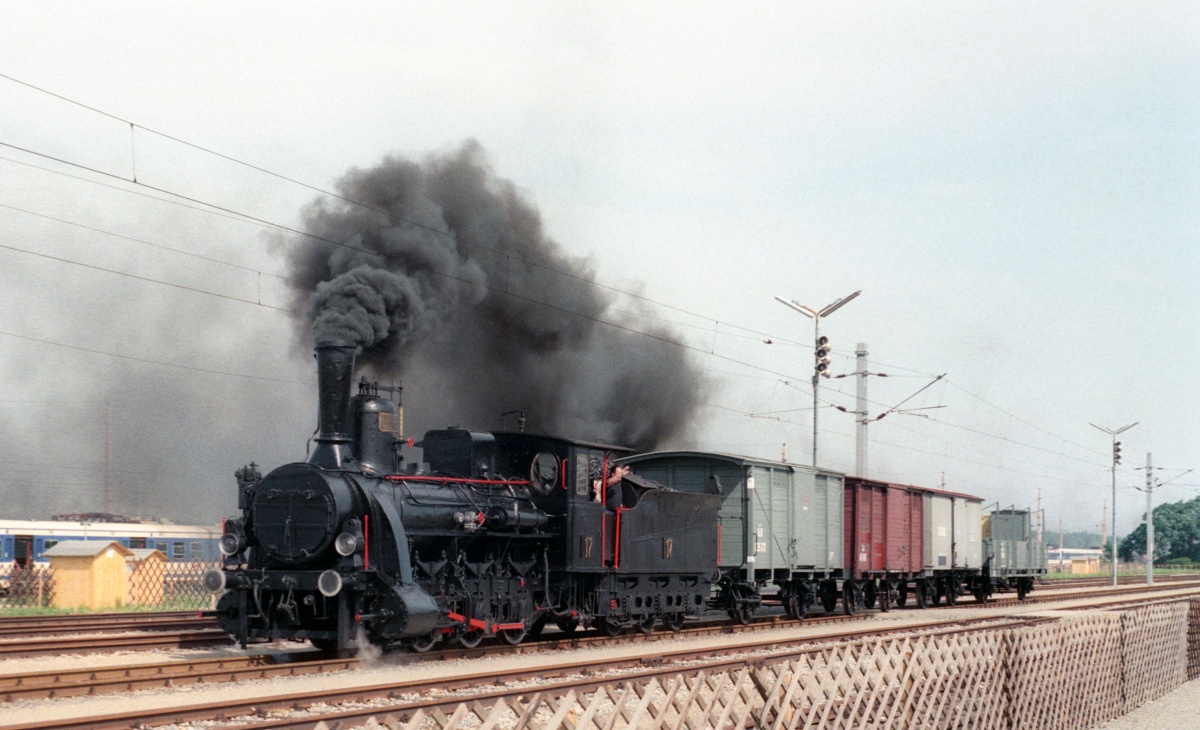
(495, 534)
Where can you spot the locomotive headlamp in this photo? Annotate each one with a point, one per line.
(329, 583)
(231, 543)
(214, 580)
(347, 543)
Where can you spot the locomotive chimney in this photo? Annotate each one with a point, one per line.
(335, 369)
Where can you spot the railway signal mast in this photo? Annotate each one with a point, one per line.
(1116, 459)
(821, 348)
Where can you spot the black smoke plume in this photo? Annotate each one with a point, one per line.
(446, 278)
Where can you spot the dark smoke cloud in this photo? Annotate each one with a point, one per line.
(448, 280)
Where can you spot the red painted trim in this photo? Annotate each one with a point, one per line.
(617, 540)
(508, 627)
(477, 624)
(366, 542)
(563, 473)
(456, 617)
(456, 480)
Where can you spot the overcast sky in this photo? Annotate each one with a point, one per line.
(1014, 187)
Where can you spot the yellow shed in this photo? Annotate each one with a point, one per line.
(89, 573)
(147, 575)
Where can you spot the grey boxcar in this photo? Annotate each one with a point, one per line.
(1013, 556)
(780, 524)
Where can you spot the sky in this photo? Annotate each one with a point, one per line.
(1014, 188)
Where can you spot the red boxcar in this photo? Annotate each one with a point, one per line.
(884, 529)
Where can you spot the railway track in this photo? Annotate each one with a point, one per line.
(127, 678)
(552, 676)
(141, 641)
(29, 626)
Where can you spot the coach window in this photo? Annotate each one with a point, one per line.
(177, 551)
(162, 548)
(197, 550)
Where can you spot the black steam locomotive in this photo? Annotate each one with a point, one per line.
(495, 534)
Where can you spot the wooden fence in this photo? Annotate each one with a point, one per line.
(1075, 672)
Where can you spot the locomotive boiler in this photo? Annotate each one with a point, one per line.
(494, 534)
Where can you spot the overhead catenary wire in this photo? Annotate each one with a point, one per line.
(236, 215)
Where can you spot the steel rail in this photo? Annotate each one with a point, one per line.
(666, 663)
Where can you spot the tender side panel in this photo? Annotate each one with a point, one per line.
(669, 532)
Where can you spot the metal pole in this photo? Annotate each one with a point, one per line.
(816, 315)
(1114, 514)
(1114, 434)
(860, 406)
(816, 381)
(1149, 523)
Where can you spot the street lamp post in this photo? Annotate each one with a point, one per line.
(1116, 459)
(818, 371)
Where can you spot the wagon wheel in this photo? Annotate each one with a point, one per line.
(422, 644)
(885, 596)
(803, 598)
(646, 625)
(869, 594)
(933, 593)
(951, 593)
(568, 625)
(470, 639)
(513, 637)
(902, 594)
(740, 614)
(535, 629)
(1022, 589)
(980, 592)
(829, 596)
(673, 621)
(610, 626)
(848, 598)
(922, 598)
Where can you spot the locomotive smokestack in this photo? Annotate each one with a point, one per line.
(335, 370)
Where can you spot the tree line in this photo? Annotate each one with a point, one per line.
(1176, 534)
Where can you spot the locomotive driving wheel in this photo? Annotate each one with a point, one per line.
(512, 637)
(470, 639)
(422, 644)
(568, 625)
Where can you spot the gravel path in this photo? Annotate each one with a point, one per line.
(1177, 710)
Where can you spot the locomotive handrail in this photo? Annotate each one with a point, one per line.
(458, 480)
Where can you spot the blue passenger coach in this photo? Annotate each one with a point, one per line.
(25, 541)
